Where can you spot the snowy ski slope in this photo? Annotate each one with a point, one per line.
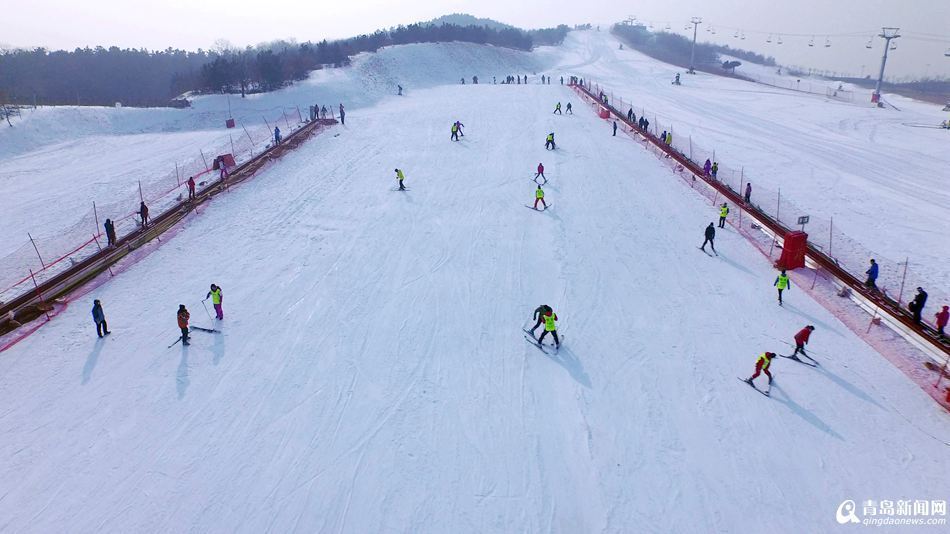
(883, 181)
(371, 375)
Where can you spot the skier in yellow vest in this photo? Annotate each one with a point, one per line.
(549, 141)
(782, 283)
(762, 366)
(723, 211)
(216, 297)
(550, 325)
(539, 197)
(400, 177)
(455, 131)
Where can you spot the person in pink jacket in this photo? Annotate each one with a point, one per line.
(942, 318)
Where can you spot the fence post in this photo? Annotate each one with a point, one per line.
(778, 205)
(299, 116)
(691, 148)
(37, 252)
(94, 237)
(903, 278)
(39, 294)
(141, 196)
(203, 159)
(249, 138)
(287, 122)
(96, 213)
(831, 228)
(232, 143)
(177, 176)
(269, 129)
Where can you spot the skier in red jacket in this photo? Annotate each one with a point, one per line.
(942, 318)
(540, 172)
(801, 339)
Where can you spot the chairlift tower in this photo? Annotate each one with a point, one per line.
(695, 21)
(887, 34)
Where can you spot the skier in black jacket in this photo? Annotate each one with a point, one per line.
(710, 238)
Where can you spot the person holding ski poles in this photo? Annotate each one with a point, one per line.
(782, 283)
(801, 339)
(549, 141)
(400, 177)
(455, 131)
(183, 317)
(710, 238)
(568, 108)
(557, 109)
(143, 213)
(459, 126)
(762, 364)
(539, 197)
(216, 297)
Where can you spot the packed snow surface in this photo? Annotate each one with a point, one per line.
(372, 375)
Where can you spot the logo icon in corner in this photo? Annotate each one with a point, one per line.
(845, 513)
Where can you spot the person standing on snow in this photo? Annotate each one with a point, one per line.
(801, 339)
(557, 109)
(455, 131)
(276, 135)
(183, 317)
(782, 283)
(216, 297)
(102, 329)
(110, 233)
(400, 177)
(342, 114)
(917, 305)
(550, 325)
(942, 318)
(630, 115)
(568, 108)
(400, 89)
(191, 188)
(762, 366)
(706, 167)
(710, 238)
(615, 129)
(459, 125)
(549, 141)
(143, 213)
(538, 316)
(669, 138)
(871, 282)
(715, 169)
(748, 192)
(539, 196)
(540, 172)
(723, 211)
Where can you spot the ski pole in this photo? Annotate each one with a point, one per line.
(205, 306)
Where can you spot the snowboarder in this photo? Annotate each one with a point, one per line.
(143, 213)
(183, 317)
(715, 169)
(455, 131)
(568, 108)
(539, 196)
(400, 177)
(748, 193)
(723, 211)
(110, 232)
(549, 141)
(342, 114)
(762, 366)
(400, 89)
(870, 283)
(801, 339)
(540, 172)
(706, 167)
(216, 297)
(942, 319)
(538, 316)
(102, 329)
(615, 129)
(550, 319)
(782, 283)
(191, 188)
(710, 238)
(917, 305)
(557, 109)
(276, 135)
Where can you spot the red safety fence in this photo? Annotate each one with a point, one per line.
(43, 255)
(689, 160)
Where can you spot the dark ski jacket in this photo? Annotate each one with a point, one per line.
(872, 272)
(543, 309)
(97, 314)
(710, 232)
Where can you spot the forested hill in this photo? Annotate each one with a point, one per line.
(139, 77)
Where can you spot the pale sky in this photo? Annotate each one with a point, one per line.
(199, 23)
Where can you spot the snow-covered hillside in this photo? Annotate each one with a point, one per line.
(371, 374)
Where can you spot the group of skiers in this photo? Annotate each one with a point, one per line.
(457, 130)
(712, 169)
(915, 306)
(568, 109)
(183, 316)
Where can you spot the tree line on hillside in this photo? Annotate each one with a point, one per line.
(138, 77)
(675, 49)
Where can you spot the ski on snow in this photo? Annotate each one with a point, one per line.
(766, 392)
(799, 360)
(536, 209)
(708, 254)
(202, 329)
(540, 346)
